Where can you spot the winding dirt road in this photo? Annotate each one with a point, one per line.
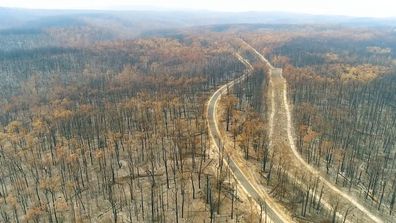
(274, 214)
(281, 136)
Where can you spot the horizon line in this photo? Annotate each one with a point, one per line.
(148, 8)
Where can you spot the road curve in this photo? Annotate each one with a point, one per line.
(277, 73)
(215, 135)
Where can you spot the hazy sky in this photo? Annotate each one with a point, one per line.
(373, 8)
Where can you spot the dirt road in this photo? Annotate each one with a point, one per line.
(281, 139)
(273, 213)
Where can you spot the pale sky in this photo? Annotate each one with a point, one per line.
(370, 8)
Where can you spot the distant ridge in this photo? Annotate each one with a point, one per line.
(167, 18)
